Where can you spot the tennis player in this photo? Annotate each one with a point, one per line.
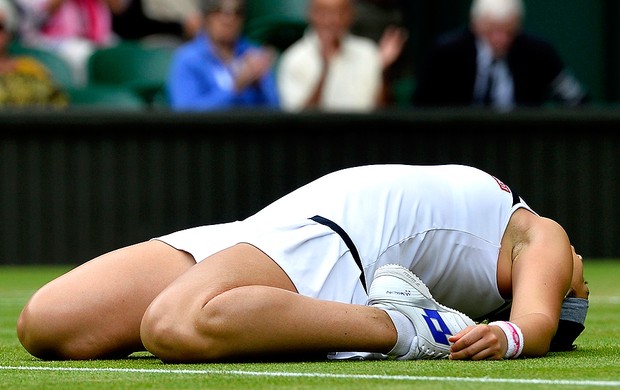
(370, 262)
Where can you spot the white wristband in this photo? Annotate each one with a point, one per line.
(513, 335)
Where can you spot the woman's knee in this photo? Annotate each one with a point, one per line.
(194, 336)
(52, 326)
(43, 331)
(94, 311)
(197, 317)
(27, 332)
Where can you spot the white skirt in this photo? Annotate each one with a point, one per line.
(314, 257)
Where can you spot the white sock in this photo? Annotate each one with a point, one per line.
(405, 333)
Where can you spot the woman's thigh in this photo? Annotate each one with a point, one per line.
(95, 310)
(237, 266)
(197, 316)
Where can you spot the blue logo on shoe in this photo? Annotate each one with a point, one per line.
(437, 326)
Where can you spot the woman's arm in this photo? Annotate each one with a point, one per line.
(541, 277)
(542, 270)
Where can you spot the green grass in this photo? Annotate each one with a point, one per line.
(595, 364)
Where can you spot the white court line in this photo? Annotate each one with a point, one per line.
(324, 375)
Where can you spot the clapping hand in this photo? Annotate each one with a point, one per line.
(253, 66)
(391, 44)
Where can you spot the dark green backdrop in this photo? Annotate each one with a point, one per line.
(75, 185)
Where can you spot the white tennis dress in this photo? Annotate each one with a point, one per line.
(445, 223)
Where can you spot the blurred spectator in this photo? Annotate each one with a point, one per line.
(24, 81)
(494, 63)
(71, 28)
(220, 69)
(331, 69)
(159, 21)
(372, 18)
(185, 12)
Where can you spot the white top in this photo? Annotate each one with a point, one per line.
(353, 82)
(445, 223)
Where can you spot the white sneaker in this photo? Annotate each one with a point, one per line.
(396, 288)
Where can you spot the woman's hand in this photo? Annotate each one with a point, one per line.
(578, 287)
(478, 342)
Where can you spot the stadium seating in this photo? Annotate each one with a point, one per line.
(277, 23)
(402, 90)
(131, 64)
(105, 97)
(60, 69)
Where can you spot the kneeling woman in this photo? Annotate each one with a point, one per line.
(352, 264)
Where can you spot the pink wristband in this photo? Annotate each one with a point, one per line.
(513, 335)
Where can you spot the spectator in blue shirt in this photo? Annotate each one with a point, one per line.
(220, 69)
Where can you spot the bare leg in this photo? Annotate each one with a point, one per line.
(94, 311)
(238, 303)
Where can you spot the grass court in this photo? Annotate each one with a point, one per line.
(594, 365)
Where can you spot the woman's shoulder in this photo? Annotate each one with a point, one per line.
(528, 232)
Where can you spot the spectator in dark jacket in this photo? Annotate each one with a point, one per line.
(494, 63)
